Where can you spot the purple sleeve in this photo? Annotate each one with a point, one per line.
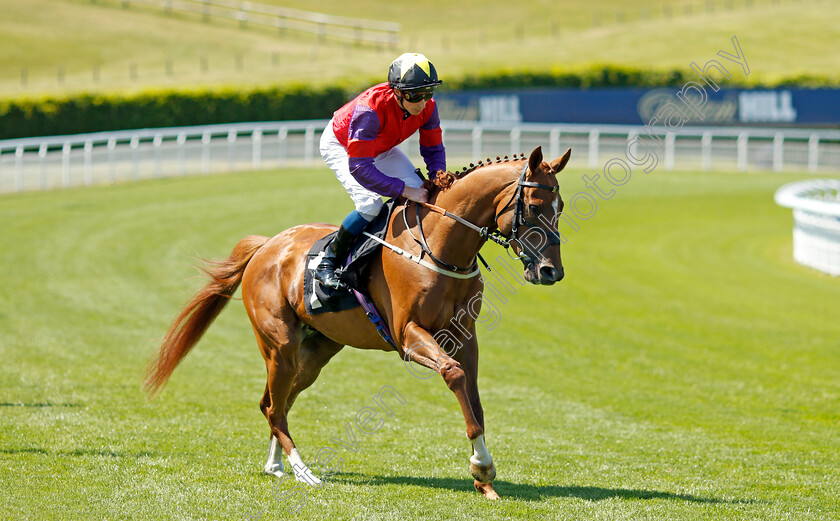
(364, 127)
(363, 170)
(435, 158)
(433, 154)
(364, 124)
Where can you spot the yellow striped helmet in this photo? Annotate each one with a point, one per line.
(412, 71)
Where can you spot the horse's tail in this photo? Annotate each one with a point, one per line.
(200, 311)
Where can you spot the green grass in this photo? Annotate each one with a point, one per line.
(686, 368)
(780, 38)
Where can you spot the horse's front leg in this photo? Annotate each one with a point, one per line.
(424, 350)
(481, 463)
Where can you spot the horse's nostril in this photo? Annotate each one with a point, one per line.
(548, 273)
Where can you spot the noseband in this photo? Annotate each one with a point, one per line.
(517, 201)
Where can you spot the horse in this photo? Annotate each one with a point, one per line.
(512, 201)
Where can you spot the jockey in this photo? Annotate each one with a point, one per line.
(360, 145)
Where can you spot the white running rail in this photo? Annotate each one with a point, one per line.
(816, 222)
(44, 163)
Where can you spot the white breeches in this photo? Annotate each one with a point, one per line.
(392, 163)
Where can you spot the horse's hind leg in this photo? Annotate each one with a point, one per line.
(313, 352)
(274, 463)
(279, 335)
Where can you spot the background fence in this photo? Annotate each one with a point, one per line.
(109, 157)
(358, 30)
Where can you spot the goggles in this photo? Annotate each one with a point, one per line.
(417, 96)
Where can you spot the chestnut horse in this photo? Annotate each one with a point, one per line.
(511, 198)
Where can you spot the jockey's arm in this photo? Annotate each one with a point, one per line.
(431, 145)
(366, 173)
(364, 128)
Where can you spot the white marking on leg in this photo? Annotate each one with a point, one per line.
(481, 457)
(302, 472)
(274, 464)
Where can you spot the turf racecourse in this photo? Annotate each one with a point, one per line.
(686, 368)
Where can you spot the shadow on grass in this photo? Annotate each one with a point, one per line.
(79, 453)
(528, 492)
(24, 451)
(37, 404)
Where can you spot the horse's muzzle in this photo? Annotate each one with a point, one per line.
(543, 274)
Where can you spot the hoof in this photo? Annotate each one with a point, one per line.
(307, 477)
(486, 490)
(275, 470)
(483, 474)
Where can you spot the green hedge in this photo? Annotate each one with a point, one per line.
(589, 77)
(99, 112)
(616, 76)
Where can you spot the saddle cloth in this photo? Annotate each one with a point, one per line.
(320, 299)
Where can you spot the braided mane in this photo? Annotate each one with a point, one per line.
(444, 180)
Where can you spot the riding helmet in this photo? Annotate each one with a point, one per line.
(412, 71)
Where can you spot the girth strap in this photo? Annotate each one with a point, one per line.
(376, 318)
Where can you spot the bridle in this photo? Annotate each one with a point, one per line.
(517, 201)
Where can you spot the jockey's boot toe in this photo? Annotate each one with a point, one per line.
(325, 273)
(337, 249)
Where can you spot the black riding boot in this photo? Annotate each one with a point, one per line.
(334, 255)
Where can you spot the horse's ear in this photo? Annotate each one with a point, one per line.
(535, 160)
(560, 163)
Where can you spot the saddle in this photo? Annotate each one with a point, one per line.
(321, 299)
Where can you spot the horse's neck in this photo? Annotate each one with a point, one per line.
(475, 196)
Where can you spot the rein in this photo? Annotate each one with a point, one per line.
(496, 236)
(418, 260)
(425, 246)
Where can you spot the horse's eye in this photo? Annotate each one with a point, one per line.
(533, 209)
